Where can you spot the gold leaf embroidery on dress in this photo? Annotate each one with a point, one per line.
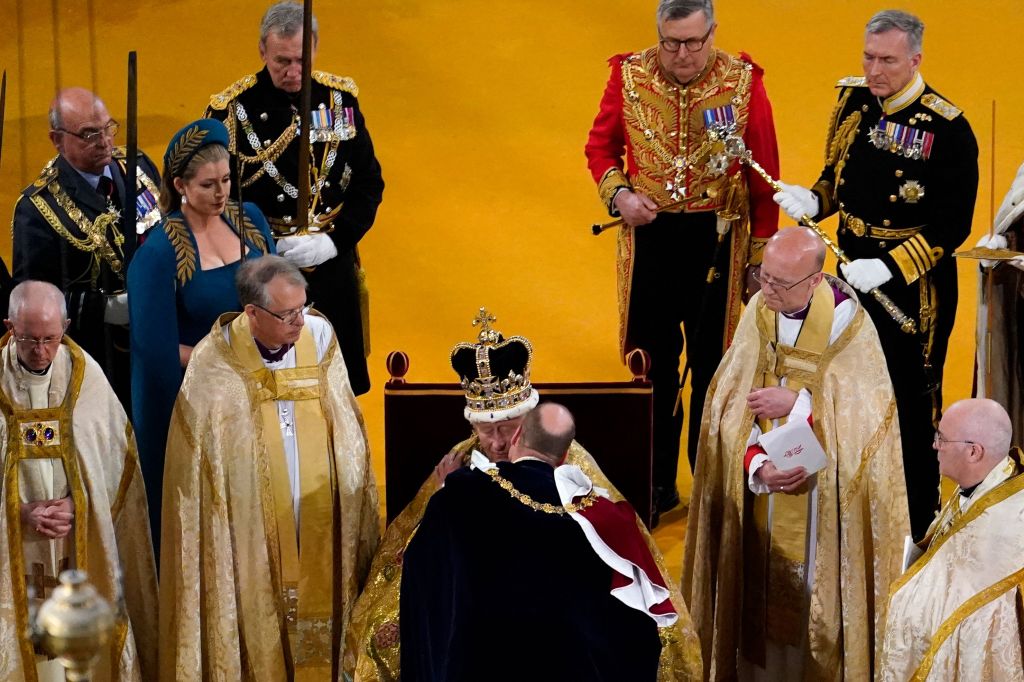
(184, 250)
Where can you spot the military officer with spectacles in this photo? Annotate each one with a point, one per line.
(68, 228)
(644, 152)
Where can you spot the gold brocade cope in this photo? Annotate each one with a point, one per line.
(23, 446)
(776, 587)
(955, 614)
(860, 516)
(373, 646)
(307, 557)
(665, 130)
(84, 431)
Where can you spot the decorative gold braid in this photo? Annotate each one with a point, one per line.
(545, 507)
(185, 147)
(273, 151)
(843, 139)
(95, 232)
(184, 251)
(833, 121)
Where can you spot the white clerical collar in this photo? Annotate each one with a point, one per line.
(902, 99)
(528, 458)
(93, 178)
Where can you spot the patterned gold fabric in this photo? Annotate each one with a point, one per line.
(956, 614)
(861, 514)
(223, 616)
(110, 538)
(372, 651)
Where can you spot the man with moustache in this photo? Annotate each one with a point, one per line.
(648, 149)
(261, 113)
(68, 228)
(902, 172)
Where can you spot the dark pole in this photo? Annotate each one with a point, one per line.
(128, 225)
(305, 108)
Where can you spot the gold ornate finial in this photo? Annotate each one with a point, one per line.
(484, 319)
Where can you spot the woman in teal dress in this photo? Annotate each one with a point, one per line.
(181, 279)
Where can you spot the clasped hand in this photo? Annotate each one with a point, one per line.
(773, 402)
(790, 481)
(50, 518)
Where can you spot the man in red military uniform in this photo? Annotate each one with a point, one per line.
(656, 111)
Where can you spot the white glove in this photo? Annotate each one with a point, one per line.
(116, 311)
(991, 241)
(797, 201)
(307, 250)
(864, 274)
(1017, 262)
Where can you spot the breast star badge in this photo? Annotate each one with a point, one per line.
(911, 191)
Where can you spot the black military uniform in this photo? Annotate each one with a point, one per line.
(69, 234)
(345, 181)
(903, 175)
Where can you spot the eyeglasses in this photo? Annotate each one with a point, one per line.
(692, 44)
(47, 341)
(290, 317)
(939, 441)
(763, 281)
(95, 136)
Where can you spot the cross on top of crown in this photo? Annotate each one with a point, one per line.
(484, 319)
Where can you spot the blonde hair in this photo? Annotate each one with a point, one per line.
(170, 197)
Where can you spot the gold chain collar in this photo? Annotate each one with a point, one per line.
(571, 508)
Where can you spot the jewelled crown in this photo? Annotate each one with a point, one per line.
(494, 373)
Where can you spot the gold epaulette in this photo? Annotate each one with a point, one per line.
(940, 106)
(119, 153)
(852, 82)
(221, 100)
(343, 83)
(46, 176)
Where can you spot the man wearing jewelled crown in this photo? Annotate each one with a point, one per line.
(269, 499)
(373, 651)
(470, 579)
(73, 494)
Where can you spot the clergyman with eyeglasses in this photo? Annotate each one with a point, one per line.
(644, 152)
(269, 498)
(73, 496)
(782, 565)
(955, 612)
(68, 228)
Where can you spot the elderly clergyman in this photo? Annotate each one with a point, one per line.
(955, 614)
(782, 565)
(73, 493)
(269, 498)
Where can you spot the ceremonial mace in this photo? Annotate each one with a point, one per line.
(74, 625)
(735, 147)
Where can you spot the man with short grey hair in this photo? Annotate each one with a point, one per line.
(266, 446)
(639, 154)
(261, 112)
(901, 170)
(955, 611)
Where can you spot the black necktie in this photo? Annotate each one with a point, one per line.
(105, 187)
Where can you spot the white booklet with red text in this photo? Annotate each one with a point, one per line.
(794, 445)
